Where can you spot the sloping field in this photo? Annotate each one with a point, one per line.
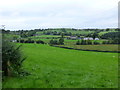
(101, 33)
(53, 67)
(72, 31)
(102, 47)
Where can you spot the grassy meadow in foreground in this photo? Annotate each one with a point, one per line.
(53, 67)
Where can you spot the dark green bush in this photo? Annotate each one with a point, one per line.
(61, 41)
(83, 42)
(104, 42)
(22, 41)
(96, 43)
(40, 42)
(78, 42)
(89, 42)
(53, 42)
(12, 58)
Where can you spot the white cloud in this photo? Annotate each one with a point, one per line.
(28, 14)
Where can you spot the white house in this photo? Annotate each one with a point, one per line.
(14, 40)
(90, 39)
(73, 37)
(87, 38)
(97, 39)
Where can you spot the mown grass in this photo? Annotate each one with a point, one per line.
(53, 67)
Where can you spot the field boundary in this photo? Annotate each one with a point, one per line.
(86, 49)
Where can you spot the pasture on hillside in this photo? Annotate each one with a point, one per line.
(69, 30)
(111, 47)
(53, 67)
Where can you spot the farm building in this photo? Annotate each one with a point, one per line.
(79, 38)
(14, 40)
(97, 39)
(87, 38)
(73, 37)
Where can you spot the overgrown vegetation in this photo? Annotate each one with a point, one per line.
(12, 58)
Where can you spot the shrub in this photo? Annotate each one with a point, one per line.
(22, 41)
(51, 42)
(83, 42)
(107, 42)
(96, 43)
(55, 42)
(78, 42)
(29, 40)
(89, 42)
(40, 42)
(61, 41)
(11, 58)
(104, 42)
(18, 41)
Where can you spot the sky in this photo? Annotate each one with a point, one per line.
(35, 14)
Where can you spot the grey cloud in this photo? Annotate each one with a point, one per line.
(77, 14)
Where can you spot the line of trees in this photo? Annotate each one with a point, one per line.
(115, 41)
(86, 42)
(89, 42)
(30, 41)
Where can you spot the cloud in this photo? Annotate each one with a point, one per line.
(30, 14)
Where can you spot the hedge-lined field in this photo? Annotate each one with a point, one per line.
(72, 31)
(52, 67)
(103, 47)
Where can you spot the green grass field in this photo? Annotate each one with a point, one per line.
(102, 47)
(53, 67)
(102, 33)
(72, 31)
(49, 36)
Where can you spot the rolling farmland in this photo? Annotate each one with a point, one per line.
(52, 67)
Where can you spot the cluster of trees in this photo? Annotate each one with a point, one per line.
(5, 31)
(89, 42)
(86, 42)
(111, 35)
(57, 33)
(40, 42)
(117, 29)
(25, 34)
(57, 42)
(30, 41)
(93, 35)
(115, 41)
